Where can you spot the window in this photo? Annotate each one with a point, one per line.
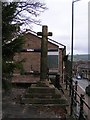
(53, 59)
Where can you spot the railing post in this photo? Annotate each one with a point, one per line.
(66, 83)
(57, 81)
(76, 83)
(81, 107)
(72, 96)
(70, 87)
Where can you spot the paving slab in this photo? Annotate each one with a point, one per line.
(12, 109)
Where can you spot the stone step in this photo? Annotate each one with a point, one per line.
(42, 95)
(43, 101)
(65, 105)
(41, 90)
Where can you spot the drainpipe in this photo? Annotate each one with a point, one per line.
(63, 63)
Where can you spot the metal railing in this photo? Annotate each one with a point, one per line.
(77, 102)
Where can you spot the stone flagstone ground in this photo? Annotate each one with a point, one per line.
(12, 109)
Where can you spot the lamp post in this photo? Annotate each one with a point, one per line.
(72, 41)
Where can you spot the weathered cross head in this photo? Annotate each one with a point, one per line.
(44, 32)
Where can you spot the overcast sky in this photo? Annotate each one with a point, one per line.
(59, 21)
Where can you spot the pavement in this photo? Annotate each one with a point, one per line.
(12, 109)
(67, 96)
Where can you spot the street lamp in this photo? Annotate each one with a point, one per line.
(72, 41)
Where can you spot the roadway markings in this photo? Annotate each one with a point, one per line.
(81, 87)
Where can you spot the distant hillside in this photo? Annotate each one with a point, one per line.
(82, 57)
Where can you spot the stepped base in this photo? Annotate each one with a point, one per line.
(46, 98)
(37, 94)
(40, 103)
(43, 90)
(42, 95)
(44, 101)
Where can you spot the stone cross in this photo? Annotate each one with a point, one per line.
(44, 49)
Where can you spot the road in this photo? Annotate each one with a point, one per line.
(82, 83)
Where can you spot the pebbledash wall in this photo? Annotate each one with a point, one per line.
(32, 59)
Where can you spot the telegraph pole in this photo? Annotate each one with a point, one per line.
(44, 49)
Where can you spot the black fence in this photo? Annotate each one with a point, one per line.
(77, 102)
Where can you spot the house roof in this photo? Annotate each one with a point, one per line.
(49, 40)
(84, 66)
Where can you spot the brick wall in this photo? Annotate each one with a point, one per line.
(32, 59)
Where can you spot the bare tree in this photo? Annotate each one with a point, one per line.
(27, 12)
